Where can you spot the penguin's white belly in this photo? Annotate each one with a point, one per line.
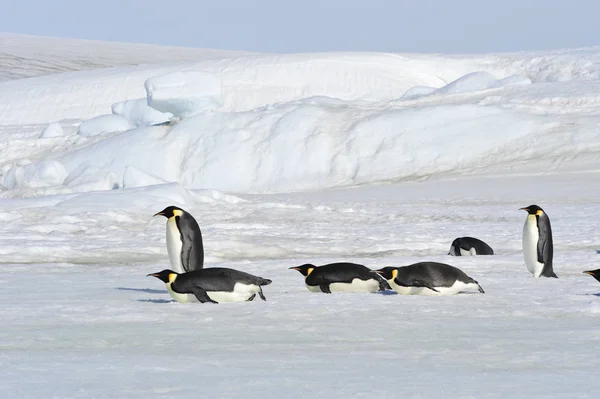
(357, 285)
(471, 252)
(531, 236)
(181, 298)
(241, 292)
(313, 288)
(457, 287)
(174, 246)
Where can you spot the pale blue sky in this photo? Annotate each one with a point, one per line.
(453, 26)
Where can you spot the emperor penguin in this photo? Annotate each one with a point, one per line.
(466, 246)
(214, 285)
(428, 278)
(537, 242)
(184, 240)
(341, 277)
(594, 273)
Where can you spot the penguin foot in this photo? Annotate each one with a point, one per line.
(260, 293)
(251, 298)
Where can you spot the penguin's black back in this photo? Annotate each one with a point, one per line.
(436, 274)
(545, 247)
(467, 243)
(192, 250)
(215, 279)
(340, 272)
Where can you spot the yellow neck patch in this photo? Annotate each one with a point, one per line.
(539, 212)
(394, 274)
(176, 212)
(309, 270)
(172, 277)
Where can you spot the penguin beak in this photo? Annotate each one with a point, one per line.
(152, 274)
(524, 209)
(293, 268)
(589, 272)
(158, 213)
(378, 271)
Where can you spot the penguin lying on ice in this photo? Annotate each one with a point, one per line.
(341, 277)
(215, 284)
(428, 278)
(465, 246)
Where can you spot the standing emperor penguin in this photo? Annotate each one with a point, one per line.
(537, 242)
(184, 240)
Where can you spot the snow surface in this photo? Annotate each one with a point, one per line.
(311, 158)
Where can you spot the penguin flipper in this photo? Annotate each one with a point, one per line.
(251, 298)
(480, 289)
(325, 288)
(421, 283)
(202, 295)
(189, 261)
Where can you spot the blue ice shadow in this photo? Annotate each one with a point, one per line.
(146, 290)
(386, 292)
(155, 300)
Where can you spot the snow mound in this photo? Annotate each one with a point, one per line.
(471, 82)
(184, 93)
(53, 129)
(303, 146)
(99, 125)
(45, 173)
(134, 177)
(87, 177)
(138, 113)
(417, 91)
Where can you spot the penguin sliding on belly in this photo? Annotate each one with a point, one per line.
(215, 285)
(428, 278)
(538, 248)
(341, 277)
(466, 246)
(184, 240)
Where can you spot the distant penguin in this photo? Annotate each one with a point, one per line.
(341, 277)
(428, 278)
(465, 246)
(184, 240)
(594, 273)
(537, 242)
(215, 285)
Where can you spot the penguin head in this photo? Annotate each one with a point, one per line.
(388, 273)
(166, 276)
(170, 211)
(305, 269)
(533, 210)
(594, 273)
